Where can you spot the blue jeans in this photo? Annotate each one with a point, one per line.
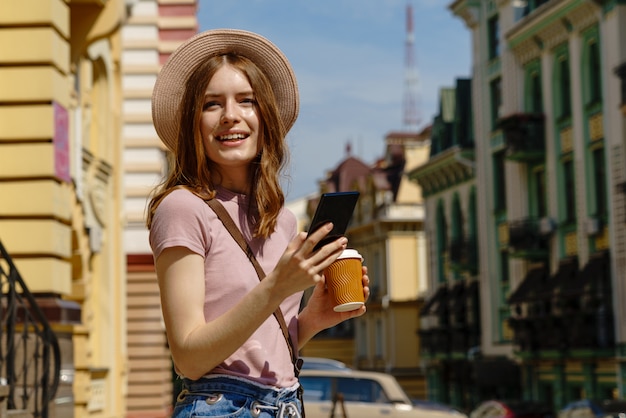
(227, 396)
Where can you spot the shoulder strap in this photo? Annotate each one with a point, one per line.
(231, 227)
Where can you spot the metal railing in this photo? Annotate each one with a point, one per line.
(30, 357)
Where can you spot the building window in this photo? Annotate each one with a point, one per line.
(533, 90)
(504, 287)
(442, 243)
(599, 182)
(499, 182)
(471, 208)
(495, 92)
(563, 94)
(524, 7)
(569, 196)
(379, 282)
(595, 81)
(362, 339)
(380, 338)
(456, 250)
(493, 28)
(591, 67)
(457, 219)
(537, 186)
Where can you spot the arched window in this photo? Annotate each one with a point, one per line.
(562, 84)
(442, 242)
(591, 67)
(532, 89)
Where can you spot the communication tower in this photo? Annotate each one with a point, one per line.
(411, 111)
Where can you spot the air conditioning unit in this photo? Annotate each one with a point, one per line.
(546, 226)
(592, 226)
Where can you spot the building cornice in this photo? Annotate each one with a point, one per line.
(444, 170)
(549, 26)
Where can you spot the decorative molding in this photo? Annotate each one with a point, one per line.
(582, 17)
(554, 34)
(468, 10)
(596, 127)
(528, 50)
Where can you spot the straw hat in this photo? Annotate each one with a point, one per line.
(170, 84)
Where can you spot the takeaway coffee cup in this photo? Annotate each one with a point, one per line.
(344, 280)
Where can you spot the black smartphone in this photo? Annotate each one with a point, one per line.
(336, 208)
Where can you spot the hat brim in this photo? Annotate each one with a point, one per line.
(170, 84)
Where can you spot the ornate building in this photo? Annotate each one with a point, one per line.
(387, 229)
(61, 187)
(547, 94)
(78, 157)
(450, 326)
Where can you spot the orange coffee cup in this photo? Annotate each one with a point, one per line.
(344, 280)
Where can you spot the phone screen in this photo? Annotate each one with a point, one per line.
(336, 208)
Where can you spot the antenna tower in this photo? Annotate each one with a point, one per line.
(411, 113)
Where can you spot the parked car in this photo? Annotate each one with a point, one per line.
(585, 408)
(364, 395)
(511, 409)
(320, 363)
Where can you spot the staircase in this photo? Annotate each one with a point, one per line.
(30, 358)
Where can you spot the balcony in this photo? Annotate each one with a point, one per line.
(527, 239)
(464, 255)
(524, 136)
(570, 310)
(451, 321)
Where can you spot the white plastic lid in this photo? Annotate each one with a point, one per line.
(350, 253)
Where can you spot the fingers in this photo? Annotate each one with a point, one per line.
(353, 314)
(316, 236)
(366, 284)
(305, 265)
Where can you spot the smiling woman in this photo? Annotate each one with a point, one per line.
(223, 104)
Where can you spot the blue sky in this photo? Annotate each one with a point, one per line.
(349, 58)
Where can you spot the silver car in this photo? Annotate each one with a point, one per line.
(359, 394)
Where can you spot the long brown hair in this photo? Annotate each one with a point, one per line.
(190, 167)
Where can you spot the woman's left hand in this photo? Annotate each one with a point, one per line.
(319, 314)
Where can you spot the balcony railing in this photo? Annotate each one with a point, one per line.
(524, 136)
(30, 358)
(568, 311)
(526, 239)
(451, 326)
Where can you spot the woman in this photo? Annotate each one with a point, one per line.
(223, 104)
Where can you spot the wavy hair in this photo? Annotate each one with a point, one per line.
(190, 167)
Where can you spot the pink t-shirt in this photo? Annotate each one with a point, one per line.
(183, 219)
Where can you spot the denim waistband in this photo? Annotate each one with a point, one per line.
(224, 383)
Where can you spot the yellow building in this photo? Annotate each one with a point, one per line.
(59, 213)
(388, 230)
(78, 158)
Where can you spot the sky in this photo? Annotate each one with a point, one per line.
(349, 59)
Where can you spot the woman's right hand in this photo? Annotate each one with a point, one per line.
(300, 267)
